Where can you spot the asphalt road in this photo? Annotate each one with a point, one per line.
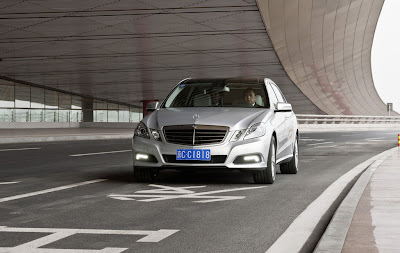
(48, 198)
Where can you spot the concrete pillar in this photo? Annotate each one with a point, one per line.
(87, 109)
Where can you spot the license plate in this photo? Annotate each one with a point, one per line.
(193, 154)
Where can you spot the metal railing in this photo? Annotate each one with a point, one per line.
(346, 119)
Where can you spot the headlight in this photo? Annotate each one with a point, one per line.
(237, 134)
(141, 131)
(256, 130)
(156, 134)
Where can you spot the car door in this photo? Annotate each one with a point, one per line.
(278, 122)
(287, 148)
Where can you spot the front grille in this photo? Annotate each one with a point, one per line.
(195, 134)
(214, 159)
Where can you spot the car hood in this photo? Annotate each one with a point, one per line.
(234, 118)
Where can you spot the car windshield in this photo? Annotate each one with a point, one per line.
(218, 94)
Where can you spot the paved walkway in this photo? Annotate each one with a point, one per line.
(376, 222)
(62, 134)
(371, 221)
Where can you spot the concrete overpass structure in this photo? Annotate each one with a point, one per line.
(114, 54)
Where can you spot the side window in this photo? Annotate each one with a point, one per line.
(278, 93)
(271, 94)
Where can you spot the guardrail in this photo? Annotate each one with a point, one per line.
(346, 119)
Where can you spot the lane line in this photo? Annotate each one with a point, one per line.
(17, 149)
(2, 183)
(50, 190)
(312, 139)
(102, 153)
(355, 143)
(313, 144)
(331, 146)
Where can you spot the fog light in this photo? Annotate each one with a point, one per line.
(142, 157)
(252, 158)
(247, 159)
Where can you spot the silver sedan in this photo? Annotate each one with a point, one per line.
(237, 123)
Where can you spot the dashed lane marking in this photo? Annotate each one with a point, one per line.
(50, 190)
(320, 143)
(57, 234)
(3, 183)
(167, 193)
(102, 153)
(329, 146)
(17, 149)
(311, 139)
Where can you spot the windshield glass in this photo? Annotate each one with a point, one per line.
(218, 94)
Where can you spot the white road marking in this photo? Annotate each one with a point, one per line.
(169, 189)
(17, 149)
(2, 183)
(357, 143)
(181, 193)
(377, 138)
(102, 153)
(61, 233)
(331, 146)
(312, 139)
(50, 190)
(313, 144)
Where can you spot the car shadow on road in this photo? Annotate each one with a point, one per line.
(203, 177)
(124, 174)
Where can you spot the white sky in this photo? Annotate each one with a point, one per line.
(386, 54)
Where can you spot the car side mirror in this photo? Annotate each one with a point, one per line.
(283, 107)
(152, 106)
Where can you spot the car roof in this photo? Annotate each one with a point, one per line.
(224, 80)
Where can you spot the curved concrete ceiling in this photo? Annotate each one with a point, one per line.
(325, 47)
(128, 51)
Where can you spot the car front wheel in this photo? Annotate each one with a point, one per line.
(267, 175)
(145, 174)
(292, 167)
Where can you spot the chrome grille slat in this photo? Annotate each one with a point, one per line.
(202, 134)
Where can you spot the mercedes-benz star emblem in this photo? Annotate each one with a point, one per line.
(196, 117)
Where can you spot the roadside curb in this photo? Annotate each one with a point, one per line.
(295, 238)
(63, 138)
(335, 235)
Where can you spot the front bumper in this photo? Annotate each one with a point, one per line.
(232, 150)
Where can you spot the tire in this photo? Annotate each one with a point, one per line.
(267, 175)
(292, 167)
(145, 174)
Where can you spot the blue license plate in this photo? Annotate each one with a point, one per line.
(193, 154)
